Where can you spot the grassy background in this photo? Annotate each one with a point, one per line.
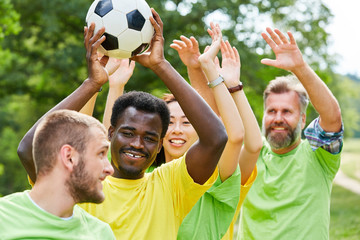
(344, 215)
(345, 205)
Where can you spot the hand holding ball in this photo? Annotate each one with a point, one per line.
(128, 29)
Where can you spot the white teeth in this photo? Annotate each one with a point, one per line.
(176, 141)
(133, 155)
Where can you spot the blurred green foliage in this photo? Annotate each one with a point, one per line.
(42, 58)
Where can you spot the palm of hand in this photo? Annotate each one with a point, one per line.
(122, 75)
(189, 56)
(230, 70)
(288, 56)
(97, 72)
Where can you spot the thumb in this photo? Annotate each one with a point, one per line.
(269, 62)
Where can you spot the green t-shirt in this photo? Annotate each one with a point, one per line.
(290, 198)
(20, 218)
(210, 218)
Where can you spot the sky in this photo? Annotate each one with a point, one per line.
(345, 34)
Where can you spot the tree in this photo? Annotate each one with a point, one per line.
(45, 61)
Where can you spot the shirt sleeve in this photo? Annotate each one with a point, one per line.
(186, 191)
(332, 142)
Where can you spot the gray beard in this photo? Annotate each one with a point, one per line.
(277, 141)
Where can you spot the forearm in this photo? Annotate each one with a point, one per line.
(88, 109)
(252, 139)
(231, 119)
(75, 101)
(252, 135)
(199, 82)
(114, 93)
(203, 119)
(321, 98)
(202, 158)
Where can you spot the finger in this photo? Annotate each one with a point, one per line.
(180, 43)
(132, 65)
(211, 33)
(88, 35)
(268, 40)
(229, 50)
(237, 56)
(97, 36)
(194, 42)
(176, 47)
(282, 36)
(206, 48)
(268, 62)
(274, 37)
(158, 22)
(186, 41)
(292, 39)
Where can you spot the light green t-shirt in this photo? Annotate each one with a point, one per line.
(210, 218)
(20, 218)
(290, 198)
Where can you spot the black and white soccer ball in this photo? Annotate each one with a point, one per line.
(128, 29)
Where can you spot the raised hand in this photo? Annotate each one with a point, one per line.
(230, 65)
(155, 54)
(188, 50)
(288, 55)
(212, 51)
(96, 67)
(122, 74)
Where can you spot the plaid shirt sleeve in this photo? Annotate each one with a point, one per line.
(332, 142)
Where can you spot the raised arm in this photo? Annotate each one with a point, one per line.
(75, 101)
(188, 50)
(289, 57)
(227, 108)
(252, 136)
(203, 156)
(110, 67)
(117, 82)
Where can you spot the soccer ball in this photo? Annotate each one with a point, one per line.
(128, 29)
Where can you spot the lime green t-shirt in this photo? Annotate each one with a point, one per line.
(20, 218)
(290, 198)
(152, 207)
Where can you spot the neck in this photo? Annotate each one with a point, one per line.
(53, 197)
(287, 149)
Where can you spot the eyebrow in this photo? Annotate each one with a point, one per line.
(147, 132)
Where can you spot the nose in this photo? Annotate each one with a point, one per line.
(177, 128)
(278, 117)
(137, 143)
(108, 169)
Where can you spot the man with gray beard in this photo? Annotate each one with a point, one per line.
(290, 198)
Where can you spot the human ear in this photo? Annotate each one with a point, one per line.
(160, 145)
(67, 156)
(110, 132)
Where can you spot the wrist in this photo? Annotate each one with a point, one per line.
(92, 86)
(236, 88)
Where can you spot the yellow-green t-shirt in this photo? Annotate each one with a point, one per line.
(152, 207)
(244, 189)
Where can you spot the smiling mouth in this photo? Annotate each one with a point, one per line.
(177, 141)
(279, 128)
(133, 155)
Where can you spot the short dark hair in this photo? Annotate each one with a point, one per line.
(144, 102)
